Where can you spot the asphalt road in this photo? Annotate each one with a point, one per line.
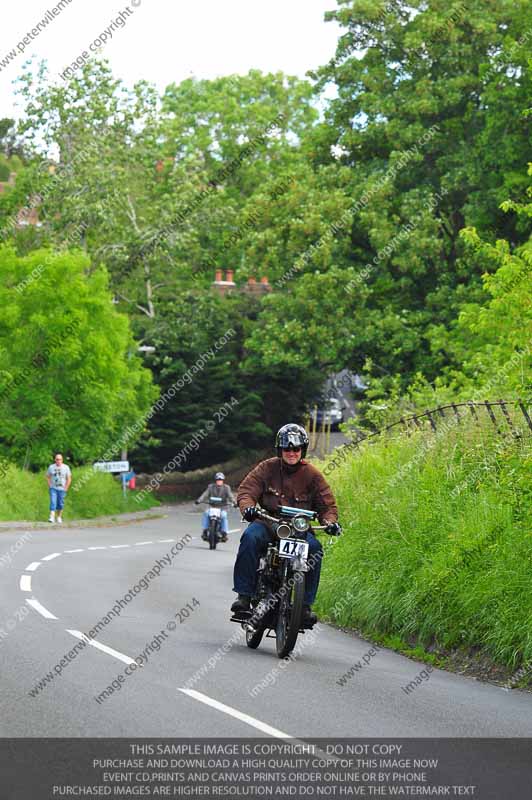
(63, 581)
(339, 386)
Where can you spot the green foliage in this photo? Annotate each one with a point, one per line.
(311, 316)
(489, 344)
(431, 121)
(437, 544)
(5, 171)
(10, 146)
(199, 341)
(161, 185)
(492, 341)
(133, 188)
(25, 497)
(69, 376)
(357, 219)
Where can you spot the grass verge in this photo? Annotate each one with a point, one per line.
(437, 545)
(25, 496)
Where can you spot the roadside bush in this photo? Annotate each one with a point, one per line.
(438, 541)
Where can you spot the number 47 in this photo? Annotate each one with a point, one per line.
(291, 548)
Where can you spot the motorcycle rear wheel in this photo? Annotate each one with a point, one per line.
(290, 616)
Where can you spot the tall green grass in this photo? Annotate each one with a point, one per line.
(437, 544)
(24, 496)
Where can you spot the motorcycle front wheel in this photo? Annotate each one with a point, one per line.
(213, 535)
(290, 615)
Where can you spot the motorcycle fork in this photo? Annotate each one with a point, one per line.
(285, 589)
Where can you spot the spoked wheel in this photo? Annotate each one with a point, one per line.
(290, 616)
(213, 536)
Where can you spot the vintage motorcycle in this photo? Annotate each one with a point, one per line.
(277, 606)
(215, 533)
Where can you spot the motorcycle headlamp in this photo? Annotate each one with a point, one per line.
(283, 530)
(300, 523)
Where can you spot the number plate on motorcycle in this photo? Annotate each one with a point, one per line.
(215, 512)
(292, 548)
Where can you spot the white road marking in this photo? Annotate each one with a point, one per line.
(79, 550)
(102, 647)
(53, 555)
(233, 712)
(40, 608)
(235, 530)
(25, 583)
(33, 566)
(116, 546)
(167, 540)
(139, 543)
(97, 548)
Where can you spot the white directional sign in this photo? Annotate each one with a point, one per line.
(111, 466)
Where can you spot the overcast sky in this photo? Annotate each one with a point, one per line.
(168, 40)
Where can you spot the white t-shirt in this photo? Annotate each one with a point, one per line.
(60, 475)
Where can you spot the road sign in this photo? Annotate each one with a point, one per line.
(111, 466)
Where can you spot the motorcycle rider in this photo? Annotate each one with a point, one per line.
(216, 489)
(285, 480)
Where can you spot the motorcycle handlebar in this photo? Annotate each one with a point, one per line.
(263, 515)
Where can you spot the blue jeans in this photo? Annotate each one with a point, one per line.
(223, 521)
(57, 499)
(253, 544)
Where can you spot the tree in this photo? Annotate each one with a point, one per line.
(70, 378)
(492, 341)
(402, 71)
(200, 365)
(311, 316)
(10, 145)
(105, 180)
(161, 184)
(163, 192)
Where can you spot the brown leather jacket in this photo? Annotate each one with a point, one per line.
(273, 483)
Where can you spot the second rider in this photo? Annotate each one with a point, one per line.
(217, 489)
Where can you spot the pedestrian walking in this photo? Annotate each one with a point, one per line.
(59, 479)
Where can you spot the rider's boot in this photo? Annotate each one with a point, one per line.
(309, 618)
(205, 535)
(224, 537)
(241, 604)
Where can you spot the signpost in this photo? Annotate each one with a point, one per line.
(111, 466)
(115, 466)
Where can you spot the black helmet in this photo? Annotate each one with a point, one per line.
(291, 437)
(219, 476)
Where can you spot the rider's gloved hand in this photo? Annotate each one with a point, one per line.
(249, 513)
(333, 529)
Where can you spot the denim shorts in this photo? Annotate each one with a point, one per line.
(57, 499)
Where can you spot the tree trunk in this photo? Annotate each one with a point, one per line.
(149, 291)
